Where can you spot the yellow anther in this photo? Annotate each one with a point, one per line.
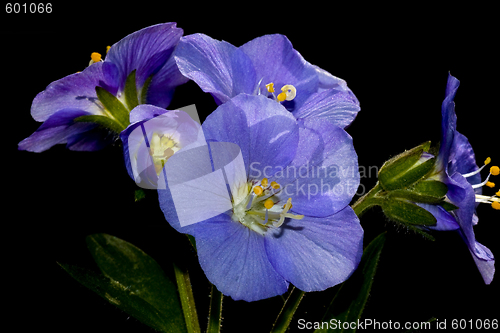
(95, 57)
(487, 161)
(490, 184)
(269, 204)
(107, 49)
(281, 97)
(270, 87)
(264, 182)
(497, 194)
(275, 185)
(289, 91)
(494, 170)
(257, 190)
(496, 205)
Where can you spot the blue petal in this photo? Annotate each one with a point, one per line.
(61, 128)
(275, 60)
(324, 176)
(463, 160)
(76, 91)
(445, 221)
(337, 107)
(216, 66)
(265, 131)
(317, 253)
(484, 260)
(234, 259)
(146, 51)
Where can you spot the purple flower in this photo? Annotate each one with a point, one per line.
(456, 167)
(267, 66)
(288, 219)
(75, 108)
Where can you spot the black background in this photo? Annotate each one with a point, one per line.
(395, 59)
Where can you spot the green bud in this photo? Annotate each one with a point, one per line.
(407, 213)
(405, 169)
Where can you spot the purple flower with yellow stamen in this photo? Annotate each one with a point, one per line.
(287, 218)
(137, 70)
(456, 167)
(268, 66)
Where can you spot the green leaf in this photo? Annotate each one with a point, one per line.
(215, 311)
(103, 121)
(403, 169)
(288, 310)
(113, 106)
(405, 212)
(348, 304)
(130, 91)
(187, 299)
(146, 292)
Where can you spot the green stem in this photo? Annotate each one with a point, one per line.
(288, 310)
(367, 201)
(215, 311)
(187, 300)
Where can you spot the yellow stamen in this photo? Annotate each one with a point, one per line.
(487, 161)
(490, 184)
(107, 49)
(496, 205)
(269, 204)
(95, 57)
(275, 185)
(281, 97)
(494, 170)
(264, 182)
(497, 194)
(257, 190)
(270, 87)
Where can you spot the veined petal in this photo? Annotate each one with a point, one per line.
(265, 131)
(317, 253)
(335, 106)
(146, 51)
(216, 66)
(444, 220)
(234, 259)
(463, 160)
(275, 60)
(163, 83)
(75, 91)
(324, 176)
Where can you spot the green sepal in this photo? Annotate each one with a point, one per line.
(407, 213)
(144, 90)
(403, 170)
(426, 191)
(139, 195)
(103, 121)
(448, 206)
(130, 91)
(113, 106)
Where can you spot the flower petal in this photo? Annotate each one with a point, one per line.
(445, 221)
(75, 91)
(216, 66)
(317, 253)
(234, 259)
(265, 131)
(463, 160)
(146, 51)
(275, 60)
(335, 106)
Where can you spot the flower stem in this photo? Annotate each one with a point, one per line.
(288, 310)
(367, 201)
(187, 300)
(215, 311)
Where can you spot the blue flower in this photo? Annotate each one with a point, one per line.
(456, 167)
(144, 55)
(287, 219)
(268, 66)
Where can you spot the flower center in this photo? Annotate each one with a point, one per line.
(288, 92)
(494, 200)
(261, 209)
(161, 148)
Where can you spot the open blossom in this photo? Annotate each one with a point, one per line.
(138, 69)
(287, 218)
(456, 167)
(268, 66)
